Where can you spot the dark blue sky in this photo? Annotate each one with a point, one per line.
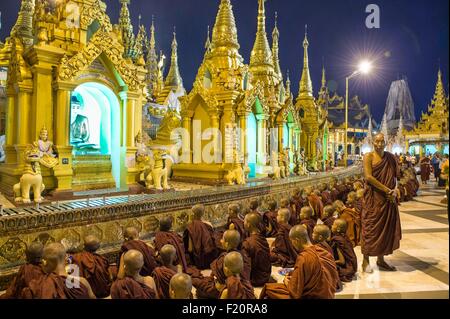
(412, 39)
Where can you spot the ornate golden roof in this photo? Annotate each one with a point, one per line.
(126, 29)
(261, 54)
(276, 48)
(173, 79)
(152, 62)
(306, 89)
(23, 28)
(225, 32)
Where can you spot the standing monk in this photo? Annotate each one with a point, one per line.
(380, 220)
(199, 240)
(425, 169)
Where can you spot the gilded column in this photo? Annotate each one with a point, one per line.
(186, 139)
(215, 126)
(243, 135)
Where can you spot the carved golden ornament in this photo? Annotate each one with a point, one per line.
(90, 13)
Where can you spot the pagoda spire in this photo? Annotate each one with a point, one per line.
(126, 28)
(23, 28)
(152, 62)
(276, 48)
(306, 89)
(261, 53)
(439, 95)
(225, 32)
(173, 79)
(208, 41)
(324, 78)
(288, 85)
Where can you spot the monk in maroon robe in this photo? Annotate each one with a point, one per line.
(425, 169)
(234, 211)
(162, 274)
(270, 219)
(380, 219)
(321, 235)
(30, 271)
(353, 221)
(133, 285)
(132, 241)
(180, 286)
(328, 216)
(346, 261)
(166, 237)
(93, 267)
(298, 202)
(258, 250)
(56, 283)
(315, 202)
(282, 252)
(325, 195)
(207, 286)
(199, 240)
(314, 276)
(235, 286)
(306, 219)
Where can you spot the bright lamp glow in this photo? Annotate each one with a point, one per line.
(365, 67)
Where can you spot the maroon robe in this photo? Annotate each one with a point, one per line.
(353, 225)
(95, 269)
(425, 169)
(204, 246)
(326, 246)
(347, 271)
(343, 191)
(129, 288)
(239, 288)
(310, 224)
(25, 275)
(161, 276)
(326, 198)
(171, 238)
(334, 194)
(270, 218)
(238, 225)
(53, 286)
(316, 204)
(148, 253)
(298, 202)
(380, 218)
(314, 277)
(283, 254)
(258, 250)
(329, 221)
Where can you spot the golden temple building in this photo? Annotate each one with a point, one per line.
(431, 133)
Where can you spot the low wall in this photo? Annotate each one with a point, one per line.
(107, 218)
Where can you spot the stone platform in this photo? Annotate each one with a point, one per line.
(106, 217)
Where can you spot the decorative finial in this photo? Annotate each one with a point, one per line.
(306, 30)
(276, 19)
(140, 18)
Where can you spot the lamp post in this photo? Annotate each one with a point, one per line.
(364, 68)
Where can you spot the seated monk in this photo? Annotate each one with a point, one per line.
(328, 216)
(207, 286)
(314, 275)
(28, 272)
(234, 211)
(285, 203)
(199, 240)
(315, 202)
(132, 241)
(162, 274)
(270, 219)
(133, 285)
(282, 253)
(94, 268)
(320, 237)
(306, 220)
(325, 194)
(351, 200)
(235, 286)
(254, 208)
(166, 237)
(352, 219)
(346, 262)
(298, 201)
(56, 283)
(180, 286)
(257, 249)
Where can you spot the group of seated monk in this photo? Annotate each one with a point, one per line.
(313, 233)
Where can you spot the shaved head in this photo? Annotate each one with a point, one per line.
(198, 211)
(34, 252)
(252, 221)
(254, 204)
(91, 243)
(133, 261)
(306, 212)
(168, 254)
(54, 255)
(234, 210)
(299, 233)
(321, 233)
(284, 203)
(284, 215)
(232, 239)
(180, 286)
(131, 233)
(272, 205)
(328, 211)
(234, 263)
(165, 223)
(339, 226)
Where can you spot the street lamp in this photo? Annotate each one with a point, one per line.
(363, 68)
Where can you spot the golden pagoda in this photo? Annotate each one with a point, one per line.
(84, 81)
(431, 133)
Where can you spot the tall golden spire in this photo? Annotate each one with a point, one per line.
(173, 79)
(261, 53)
(276, 48)
(306, 89)
(152, 62)
(324, 78)
(23, 28)
(208, 41)
(126, 28)
(225, 32)
(288, 85)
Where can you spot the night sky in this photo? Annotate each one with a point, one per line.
(412, 40)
